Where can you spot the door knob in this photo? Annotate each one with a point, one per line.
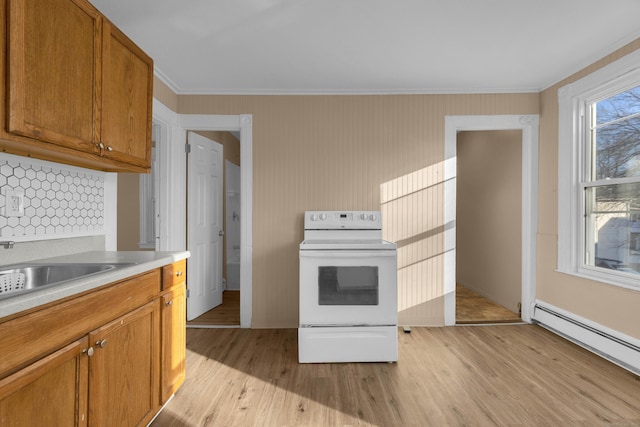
(221, 233)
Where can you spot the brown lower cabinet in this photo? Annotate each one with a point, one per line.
(50, 392)
(117, 374)
(174, 315)
(124, 371)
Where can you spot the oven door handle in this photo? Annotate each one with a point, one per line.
(346, 254)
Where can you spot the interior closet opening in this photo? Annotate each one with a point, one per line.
(489, 227)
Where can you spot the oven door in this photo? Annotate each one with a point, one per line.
(348, 288)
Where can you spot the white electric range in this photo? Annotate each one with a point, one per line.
(348, 289)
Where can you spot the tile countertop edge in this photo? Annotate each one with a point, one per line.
(141, 262)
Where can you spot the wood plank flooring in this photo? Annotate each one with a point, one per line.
(473, 308)
(226, 314)
(507, 375)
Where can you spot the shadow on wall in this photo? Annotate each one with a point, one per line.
(413, 217)
(435, 306)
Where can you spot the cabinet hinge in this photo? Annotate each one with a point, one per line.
(188, 292)
(187, 148)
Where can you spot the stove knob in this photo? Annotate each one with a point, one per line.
(364, 216)
(373, 217)
(323, 217)
(314, 217)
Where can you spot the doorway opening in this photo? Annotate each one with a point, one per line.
(488, 227)
(528, 125)
(173, 181)
(221, 306)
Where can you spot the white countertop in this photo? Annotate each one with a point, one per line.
(141, 261)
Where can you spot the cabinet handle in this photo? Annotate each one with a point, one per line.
(88, 352)
(179, 273)
(102, 343)
(102, 147)
(170, 303)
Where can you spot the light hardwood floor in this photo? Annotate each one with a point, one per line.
(473, 308)
(514, 375)
(226, 314)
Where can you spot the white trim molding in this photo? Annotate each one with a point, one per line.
(572, 100)
(529, 126)
(614, 346)
(172, 180)
(172, 208)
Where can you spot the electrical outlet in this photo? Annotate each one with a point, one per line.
(14, 203)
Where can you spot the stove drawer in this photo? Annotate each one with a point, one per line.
(348, 344)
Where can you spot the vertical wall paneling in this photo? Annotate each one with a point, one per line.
(370, 152)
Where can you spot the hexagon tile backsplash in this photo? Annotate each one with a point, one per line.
(56, 201)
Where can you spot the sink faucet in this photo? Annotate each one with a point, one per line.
(8, 244)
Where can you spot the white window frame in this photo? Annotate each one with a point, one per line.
(148, 195)
(572, 168)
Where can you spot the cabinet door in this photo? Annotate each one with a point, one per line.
(174, 340)
(127, 76)
(54, 67)
(124, 369)
(50, 392)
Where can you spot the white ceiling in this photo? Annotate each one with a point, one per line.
(372, 46)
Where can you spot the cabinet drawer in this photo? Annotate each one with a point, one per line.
(29, 337)
(174, 274)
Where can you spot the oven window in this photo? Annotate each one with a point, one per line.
(348, 285)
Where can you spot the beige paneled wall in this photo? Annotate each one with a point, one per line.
(608, 305)
(164, 94)
(489, 215)
(128, 211)
(413, 218)
(350, 152)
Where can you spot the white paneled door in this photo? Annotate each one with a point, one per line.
(204, 229)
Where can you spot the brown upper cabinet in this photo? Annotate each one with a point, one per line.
(127, 89)
(78, 91)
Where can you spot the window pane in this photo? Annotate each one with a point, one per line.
(613, 227)
(618, 149)
(616, 136)
(618, 106)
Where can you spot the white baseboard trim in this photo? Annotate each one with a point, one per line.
(614, 346)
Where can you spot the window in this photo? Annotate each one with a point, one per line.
(599, 175)
(148, 198)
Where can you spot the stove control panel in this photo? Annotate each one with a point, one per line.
(336, 220)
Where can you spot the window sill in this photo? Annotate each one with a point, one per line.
(619, 280)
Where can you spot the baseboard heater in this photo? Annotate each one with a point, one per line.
(612, 345)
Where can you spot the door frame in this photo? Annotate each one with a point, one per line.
(173, 171)
(528, 124)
